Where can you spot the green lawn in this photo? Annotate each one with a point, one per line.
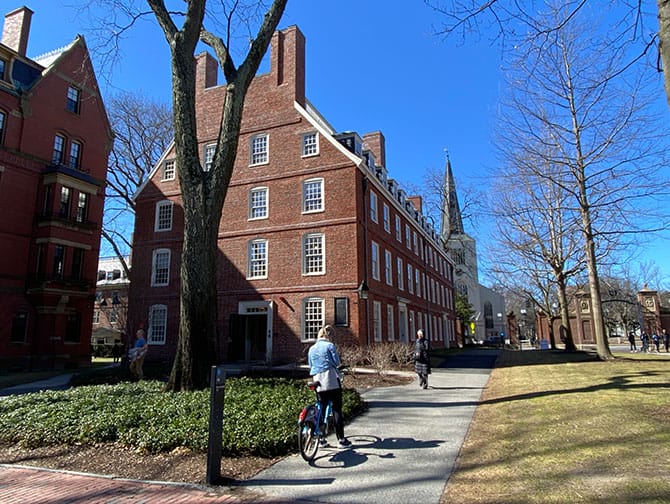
(562, 428)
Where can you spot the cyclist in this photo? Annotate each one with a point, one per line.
(323, 361)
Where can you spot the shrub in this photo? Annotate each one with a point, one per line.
(260, 416)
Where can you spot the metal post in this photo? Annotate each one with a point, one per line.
(215, 439)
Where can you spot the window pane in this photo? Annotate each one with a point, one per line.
(310, 144)
(312, 318)
(59, 150)
(82, 207)
(157, 324)
(209, 156)
(313, 262)
(259, 149)
(72, 103)
(168, 170)
(341, 311)
(258, 203)
(64, 210)
(75, 155)
(161, 268)
(312, 195)
(258, 259)
(164, 216)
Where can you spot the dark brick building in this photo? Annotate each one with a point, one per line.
(54, 143)
(313, 231)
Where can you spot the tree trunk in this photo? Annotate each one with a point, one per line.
(664, 46)
(565, 330)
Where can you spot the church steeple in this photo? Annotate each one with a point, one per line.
(451, 223)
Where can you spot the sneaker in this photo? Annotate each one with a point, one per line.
(344, 443)
(323, 442)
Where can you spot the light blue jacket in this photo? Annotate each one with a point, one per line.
(323, 360)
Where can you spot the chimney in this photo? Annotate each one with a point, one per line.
(16, 29)
(376, 142)
(206, 71)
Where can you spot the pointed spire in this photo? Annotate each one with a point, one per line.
(452, 222)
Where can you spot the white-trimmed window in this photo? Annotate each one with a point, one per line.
(390, 325)
(259, 150)
(401, 275)
(417, 281)
(258, 259)
(160, 269)
(374, 257)
(410, 276)
(386, 216)
(312, 195)
(73, 99)
(408, 236)
(258, 203)
(373, 207)
(398, 230)
(157, 333)
(163, 216)
(208, 157)
(313, 254)
(377, 320)
(313, 317)
(310, 144)
(168, 170)
(82, 207)
(415, 241)
(388, 267)
(3, 124)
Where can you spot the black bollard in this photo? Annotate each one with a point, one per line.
(215, 439)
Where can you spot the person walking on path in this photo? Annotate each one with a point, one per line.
(137, 354)
(644, 337)
(323, 362)
(666, 340)
(422, 359)
(657, 342)
(631, 340)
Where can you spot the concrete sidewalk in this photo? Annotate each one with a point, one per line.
(404, 447)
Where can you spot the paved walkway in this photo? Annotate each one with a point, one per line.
(404, 449)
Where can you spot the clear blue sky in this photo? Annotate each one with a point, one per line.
(371, 65)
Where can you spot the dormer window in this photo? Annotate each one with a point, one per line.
(72, 102)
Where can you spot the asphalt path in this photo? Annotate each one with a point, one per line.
(403, 448)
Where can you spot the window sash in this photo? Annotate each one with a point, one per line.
(75, 155)
(82, 207)
(258, 259)
(161, 273)
(72, 103)
(169, 170)
(209, 156)
(258, 203)
(313, 254)
(259, 149)
(312, 195)
(310, 144)
(59, 150)
(164, 216)
(313, 318)
(157, 332)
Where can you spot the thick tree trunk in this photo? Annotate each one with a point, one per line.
(565, 331)
(664, 46)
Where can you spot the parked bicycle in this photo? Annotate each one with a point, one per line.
(314, 424)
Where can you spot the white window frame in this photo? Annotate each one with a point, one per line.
(310, 144)
(401, 274)
(388, 267)
(255, 205)
(257, 264)
(314, 319)
(377, 320)
(259, 149)
(208, 156)
(157, 330)
(408, 237)
(373, 207)
(398, 228)
(417, 282)
(386, 217)
(162, 252)
(390, 325)
(410, 279)
(163, 222)
(312, 195)
(374, 259)
(169, 170)
(314, 254)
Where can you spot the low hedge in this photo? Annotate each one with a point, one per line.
(260, 416)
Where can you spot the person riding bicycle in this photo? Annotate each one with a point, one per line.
(323, 361)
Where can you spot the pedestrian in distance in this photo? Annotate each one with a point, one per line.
(422, 358)
(137, 354)
(631, 340)
(666, 340)
(117, 351)
(324, 361)
(644, 337)
(657, 342)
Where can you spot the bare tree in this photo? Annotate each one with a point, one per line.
(142, 132)
(575, 109)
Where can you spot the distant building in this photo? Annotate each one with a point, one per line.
(489, 320)
(54, 143)
(110, 312)
(314, 231)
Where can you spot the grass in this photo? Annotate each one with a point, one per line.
(557, 428)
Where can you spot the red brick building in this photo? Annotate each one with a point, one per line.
(54, 142)
(313, 231)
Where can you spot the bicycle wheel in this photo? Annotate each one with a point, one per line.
(308, 441)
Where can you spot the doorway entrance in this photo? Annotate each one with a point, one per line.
(250, 333)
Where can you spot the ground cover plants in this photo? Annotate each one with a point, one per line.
(555, 428)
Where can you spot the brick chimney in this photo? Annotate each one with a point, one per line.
(376, 142)
(16, 29)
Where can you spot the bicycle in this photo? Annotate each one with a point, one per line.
(314, 425)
